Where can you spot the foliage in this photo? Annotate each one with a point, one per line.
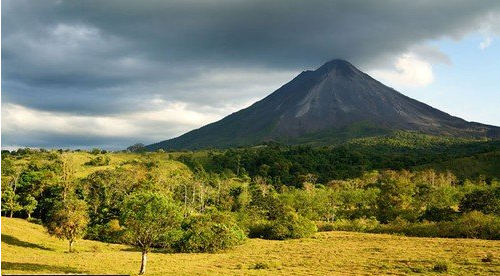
(486, 201)
(439, 214)
(98, 161)
(290, 226)
(470, 225)
(10, 201)
(441, 266)
(68, 220)
(210, 232)
(110, 232)
(357, 225)
(29, 204)
(280, 221)
(288, 165)
(150, 219)
(273, 191)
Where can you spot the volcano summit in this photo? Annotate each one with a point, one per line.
(337, 101)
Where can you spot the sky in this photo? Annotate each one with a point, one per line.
(108, 74)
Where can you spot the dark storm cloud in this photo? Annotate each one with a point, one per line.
(113, 57)
(49, 140)
(96, 44)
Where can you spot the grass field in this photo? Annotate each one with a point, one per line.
(26, 248)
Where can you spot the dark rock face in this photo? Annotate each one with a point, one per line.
(328, 100)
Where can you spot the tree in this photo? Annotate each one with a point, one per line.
(486, 201)
(150, 219)
(210, 232)
(10, 201)
(68, 220)
(29, 205)
(67, 175)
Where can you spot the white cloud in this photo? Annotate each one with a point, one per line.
(18, 118)
(485, 43)
(22, 125)
(409, 71)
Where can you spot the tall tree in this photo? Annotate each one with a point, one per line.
(68, 220)
(150, 219)
(10, 201)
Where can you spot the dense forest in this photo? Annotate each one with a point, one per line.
(289, 165)
(213, 200)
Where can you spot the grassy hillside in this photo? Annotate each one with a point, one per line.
(78, 160)
(26, 248)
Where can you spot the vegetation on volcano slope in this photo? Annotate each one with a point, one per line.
(28, 249)
(288, 165)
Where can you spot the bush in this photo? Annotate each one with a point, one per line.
(357, 225)
(109, 232)
(440, 267)
(488, 258)
(210, 232)
(266, 265)
(289, 226)
(476, 225)
(471, 225)
(325, 226)
(35, 220)
(95, 151)
(261, 265)
(98, 161)
(439, 214)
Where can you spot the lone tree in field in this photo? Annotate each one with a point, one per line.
(149, 219)
(68, 220)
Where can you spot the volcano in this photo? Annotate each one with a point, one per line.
(333, 103)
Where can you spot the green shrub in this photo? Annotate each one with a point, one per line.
(210, 232)
(98, 161)
(289, 226)
(266, 265)
(470, 225)
(261, 265)
(325, 226)
(486, 201)
(35, 220)
(488, 258)
(439, 214)
(109, 232)
(440, 267)
(476, 225)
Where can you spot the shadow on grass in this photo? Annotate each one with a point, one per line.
(131, 249)
(39, 267)
(152, 250)
(17, 242)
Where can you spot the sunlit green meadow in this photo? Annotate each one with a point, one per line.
(26, 248)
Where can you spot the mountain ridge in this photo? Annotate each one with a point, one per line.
(330, 99)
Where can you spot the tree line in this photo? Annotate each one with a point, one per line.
(200, 208)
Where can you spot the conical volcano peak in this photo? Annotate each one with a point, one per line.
(339, 67)
(324, 106)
